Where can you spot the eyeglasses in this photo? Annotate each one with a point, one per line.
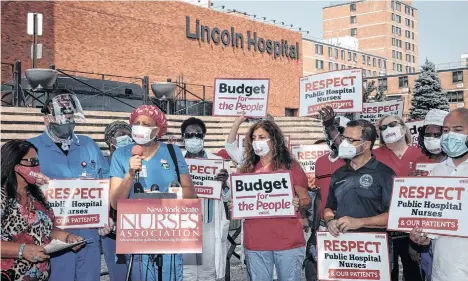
(351, 140)
(193, 135)
(391, 125)
(32, 162)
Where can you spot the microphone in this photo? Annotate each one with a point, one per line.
(137, 187)
(154, 187)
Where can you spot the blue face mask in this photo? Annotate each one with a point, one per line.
(454, 144)
(123, 141)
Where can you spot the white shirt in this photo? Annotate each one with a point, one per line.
(450, 262)
(234, 152)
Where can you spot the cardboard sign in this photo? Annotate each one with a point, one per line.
(307, 155)
(341, 90)
(437, 205)
(159, 226)
(262, 195)
(210, 190)
(78, 203)
(414, 126)
(353, 256)
(202, 171)
(241, 138)
(234, 96)
(375, 110)
(426, 167)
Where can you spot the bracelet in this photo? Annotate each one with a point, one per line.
(328, 221)
(21, 250)
(66, 238)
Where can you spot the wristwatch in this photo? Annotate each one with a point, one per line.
(21, 250)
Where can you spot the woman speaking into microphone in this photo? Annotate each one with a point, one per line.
(154, 167)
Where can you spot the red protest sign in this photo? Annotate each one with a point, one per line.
(159, 226)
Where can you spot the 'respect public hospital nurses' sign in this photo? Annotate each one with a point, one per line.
(342, 90)
(232, 97)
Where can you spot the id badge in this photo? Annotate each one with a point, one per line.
(143, 172)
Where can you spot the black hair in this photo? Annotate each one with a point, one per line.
(369, 132)
(45, 109)
(320, 141)
(193, 121)
(112, 128)
(421, 131)
(12, 153)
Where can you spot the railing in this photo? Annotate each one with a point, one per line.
(451, 65)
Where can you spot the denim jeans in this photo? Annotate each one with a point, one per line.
(288, 264)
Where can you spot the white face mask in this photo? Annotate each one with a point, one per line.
(432, 145)
(392, 134)
(261, 148)
(194, 145)
(347, 150)
(141, 134)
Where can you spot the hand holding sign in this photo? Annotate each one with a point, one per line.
(419, 237)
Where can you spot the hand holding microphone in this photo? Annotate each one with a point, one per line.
(135, 163)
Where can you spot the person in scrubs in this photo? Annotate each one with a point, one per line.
(65, 155)
(156, 168)
(117, 134)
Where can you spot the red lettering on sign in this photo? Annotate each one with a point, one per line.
(438, 192)
(330, 82)
(203, 170)
(74, 193)
(349, 246)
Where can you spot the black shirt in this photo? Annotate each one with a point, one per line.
(361, 193)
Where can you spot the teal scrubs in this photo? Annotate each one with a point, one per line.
(160, 170)
(85, 265)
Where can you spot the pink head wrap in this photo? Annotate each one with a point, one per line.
(154, 113)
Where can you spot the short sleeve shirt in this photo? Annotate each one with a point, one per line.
(160, 169)
(324, 168)
(361, 193)
(401, 166)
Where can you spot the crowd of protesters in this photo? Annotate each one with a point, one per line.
(272, 248)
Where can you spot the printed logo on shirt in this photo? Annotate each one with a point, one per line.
(366, 181)
(164, 164)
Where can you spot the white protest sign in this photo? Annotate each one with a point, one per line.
(79, 203)
(210, 190)
(353, 256)
(203, 173)
(307, 155)
(373, 111)
(262, 195)
(341, 90)
(437, 205)
(414, 126)
(234, 96)
(426, 167)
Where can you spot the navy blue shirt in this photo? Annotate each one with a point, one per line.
(361, 193)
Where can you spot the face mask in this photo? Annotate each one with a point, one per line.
(432, 145)
(454, 144)
(62, 131)
(193, 145)
(29, 174)
(123, 141)
(141, 134)
(261, 148)
(392, 134)
(347, 150)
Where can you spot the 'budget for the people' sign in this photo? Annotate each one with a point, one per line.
(341, 90)
(437, 205)
(373, 111)
(78, 203)
(414, 126)
(307, 155)
(353, 256)
(426, 167)
(232, 97)
(159, 226)
(262, 195)
(203, 172)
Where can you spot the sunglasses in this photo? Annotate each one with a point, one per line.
(391, 125)
(193, 135)
(33, 162)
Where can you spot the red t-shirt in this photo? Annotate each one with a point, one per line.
(324, 168)
(424, 159)
(401, 167)
(277, 234)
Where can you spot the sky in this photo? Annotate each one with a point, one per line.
(443, 25)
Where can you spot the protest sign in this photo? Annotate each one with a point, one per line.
(233, 96)
(373, 111)
(159, 226)
(426, 167)
(414, 126)
(241, 138)
(262, 195)
(307, 155)
(80, 203)
(202, 171)
(342, 90)
(210, 190)
(434, 204)
(353, 256)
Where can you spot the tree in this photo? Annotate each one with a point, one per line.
(370, 87)
(428, 93)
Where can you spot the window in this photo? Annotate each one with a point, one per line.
(393, 54)
(398, 6)
(319, 64)
(412, 24)
(384, 64)
(368, 73)
(354, 57)
(408, 46)
(383, 83)
(408, 58)
(396, 30)
(318, 49)
(374, 73)
(330, 66)
(413, 59)
(352, 7)
(291, 111)
(393, 5)
(407, 10)
(413, 70)
(349, 66)
(394, 66)
(380, 63)
(396, 18)
(349, 56)
(408, 69)
(412, 35)
(363, 59)
(353, 31)
(403, 82)
(336, 53)
(330, 52)
(374, 62)
(457, 76)
(336, 66)
(353, 19)
(343, 66)
(368, 60)
(343, 55)
(412, 12)
(364, 74)
(394, 97)
(400, 67)
(412, 47)
(407, 22)
(408, 34)
(456, 96)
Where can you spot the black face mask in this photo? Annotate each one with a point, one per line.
(63, 131)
